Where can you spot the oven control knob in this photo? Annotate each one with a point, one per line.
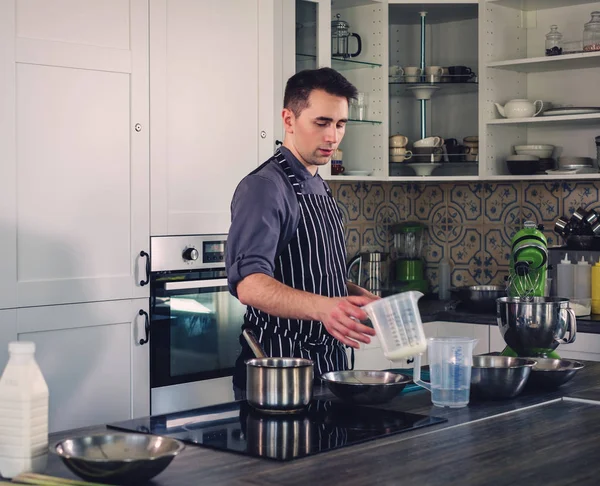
(190, 254)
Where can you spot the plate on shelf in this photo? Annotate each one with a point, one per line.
(358, 172)
(561, 171)
(573, 110)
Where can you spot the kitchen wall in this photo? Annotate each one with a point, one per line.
(471, 224)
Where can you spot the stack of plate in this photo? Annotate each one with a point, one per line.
(576, 163)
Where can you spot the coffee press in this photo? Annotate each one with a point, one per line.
(340, 36)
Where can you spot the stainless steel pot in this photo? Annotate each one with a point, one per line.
(530, 328)
(277, 384)
(479, 297)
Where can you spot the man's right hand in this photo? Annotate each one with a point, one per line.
(340, 316)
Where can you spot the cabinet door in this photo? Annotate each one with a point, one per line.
(90, 356)
(370, 356)
(75, 181)
(211, 107)
(8, 333)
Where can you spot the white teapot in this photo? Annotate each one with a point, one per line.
(520, 108)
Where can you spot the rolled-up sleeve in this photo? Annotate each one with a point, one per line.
(260, 215)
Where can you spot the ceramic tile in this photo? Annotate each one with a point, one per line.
(497, 245)
(349, 201)
(501, 203)
(374, 203)
(399, 201)
(579, 194)
(541, 202)
(464, 203)
(352, 235)
(464, 244)
(373, 238)
(494, 275)
(429, 203)
(435, 245)
(466, 275)
(432, 276)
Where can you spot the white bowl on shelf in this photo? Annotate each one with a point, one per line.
(541, 151)
(424, 169)
(362, 173)
(423, 92)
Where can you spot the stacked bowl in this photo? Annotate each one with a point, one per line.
(530, 159)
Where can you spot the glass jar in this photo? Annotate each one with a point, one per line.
(553, 42)
(591, 33)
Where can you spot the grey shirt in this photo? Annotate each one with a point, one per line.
(264, 217)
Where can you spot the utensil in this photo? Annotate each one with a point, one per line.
(45, 480)
(277, 384)
(499, 377)
(365, 387)
(552, 373)
(117, 458)
(536, 327)
(479, 297)
(450, 360)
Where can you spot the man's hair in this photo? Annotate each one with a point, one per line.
(301, 84)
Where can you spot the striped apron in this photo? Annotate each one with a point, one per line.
(313, 261)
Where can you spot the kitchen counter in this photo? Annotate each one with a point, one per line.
(432, 309)
(546, 438)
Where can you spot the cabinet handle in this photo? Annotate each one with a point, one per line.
(142, 312)
(145, 282)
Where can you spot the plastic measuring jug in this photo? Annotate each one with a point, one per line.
(398, 324)
(450, 363)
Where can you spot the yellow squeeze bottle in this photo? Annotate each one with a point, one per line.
(596, 288)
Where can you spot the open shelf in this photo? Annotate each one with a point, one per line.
(529, 5)
(593, 119)
(339, 64)
(550, 63)
(363, 122)
(542, 177)
(399, 88)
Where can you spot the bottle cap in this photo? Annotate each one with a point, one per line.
(582, 262)
(21, 347)
(566, 259)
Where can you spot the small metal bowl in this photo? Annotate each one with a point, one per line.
(552, 373)
(499, 377)
(118, 458)
(365, 387)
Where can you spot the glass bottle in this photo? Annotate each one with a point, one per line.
(591, 33)
(553, 41)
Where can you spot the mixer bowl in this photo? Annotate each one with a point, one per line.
(535, 327)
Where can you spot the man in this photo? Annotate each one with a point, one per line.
(286, 252)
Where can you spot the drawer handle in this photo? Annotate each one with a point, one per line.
(142, 312)
(144, 254)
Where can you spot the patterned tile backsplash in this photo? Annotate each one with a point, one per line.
(470, 224)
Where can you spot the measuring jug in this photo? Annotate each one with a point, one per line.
(398, 324)
(450, 363)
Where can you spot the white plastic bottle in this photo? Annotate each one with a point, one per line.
(444, 280)
(565, 277)
(583, 280)
(23, 413)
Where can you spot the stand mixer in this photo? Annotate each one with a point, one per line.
(531, 324)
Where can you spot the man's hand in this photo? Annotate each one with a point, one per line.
(340, 316)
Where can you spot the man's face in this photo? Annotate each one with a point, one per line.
(318, 130)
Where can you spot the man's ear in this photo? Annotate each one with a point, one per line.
(289, 120)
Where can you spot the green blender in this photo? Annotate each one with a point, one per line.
(407, 251)
(531, 324)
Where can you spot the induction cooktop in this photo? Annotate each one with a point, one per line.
(237, 427)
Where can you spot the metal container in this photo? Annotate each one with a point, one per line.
(479, 297)
(365, 387)
(552, 373)
(118, 458)
(499, 377)
(277, 384)
(533, 328)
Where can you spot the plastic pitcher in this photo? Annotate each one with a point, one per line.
(450, 363)
(398, 324)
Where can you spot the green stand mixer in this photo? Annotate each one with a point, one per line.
(531, 324)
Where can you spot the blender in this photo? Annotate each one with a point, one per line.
(531, 324)
(407, 255)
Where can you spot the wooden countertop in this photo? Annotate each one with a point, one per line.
(550, 438)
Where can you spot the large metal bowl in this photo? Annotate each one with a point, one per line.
(552, 373)
(499, 377)
(479, 297)
(536, 327)
(363, 387)
(118, 458)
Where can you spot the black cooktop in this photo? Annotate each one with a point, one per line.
(237, 427)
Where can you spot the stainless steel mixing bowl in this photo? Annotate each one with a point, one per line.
(118, 458)
(499, 377)
(532, 328)
(552, 373)
(365, 387)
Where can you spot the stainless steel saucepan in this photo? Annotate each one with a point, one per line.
(277, 384)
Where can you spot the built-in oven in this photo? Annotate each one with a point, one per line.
(195, 323)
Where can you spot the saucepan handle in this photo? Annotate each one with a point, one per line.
(572, 323)
(255, 346)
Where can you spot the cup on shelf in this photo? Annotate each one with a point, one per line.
(412, 74)
(429, 142)
(460, 74)
(434, 74)
(445, 75)
(336, 162)
(427, 154)
(358, 107)
(400, 154)
(396, 71)
(398, 141)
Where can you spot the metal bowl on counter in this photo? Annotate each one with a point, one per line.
(118, 458)
(499, 377)
(552, 373)
(479, 297)
(364, 387)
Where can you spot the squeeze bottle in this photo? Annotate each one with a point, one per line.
(596, 288)
(565, 276)
(583, 280)
(23, 413)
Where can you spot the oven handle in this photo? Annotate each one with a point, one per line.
(196, 284)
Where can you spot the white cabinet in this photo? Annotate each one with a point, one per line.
(74, 212)
(8, 333)
(370, 356)
(91, 358)
(212, 106)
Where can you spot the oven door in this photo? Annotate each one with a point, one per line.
(195, 329)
